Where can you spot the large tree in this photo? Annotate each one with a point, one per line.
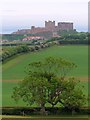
(46, 82)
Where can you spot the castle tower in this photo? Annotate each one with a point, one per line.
(32, 27)
(50, 25)
(65, 26)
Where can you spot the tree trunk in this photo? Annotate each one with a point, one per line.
(42, 111)
(73, 112)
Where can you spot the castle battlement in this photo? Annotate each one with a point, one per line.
(49, 26)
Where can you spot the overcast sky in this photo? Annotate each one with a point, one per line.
(22, 14)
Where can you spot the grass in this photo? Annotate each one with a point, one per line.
(8, 89)
(15, 68)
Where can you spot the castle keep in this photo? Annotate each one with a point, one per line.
(49, 27)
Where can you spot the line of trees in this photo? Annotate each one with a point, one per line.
(20, 49)
(11, 37)
(12, 51)
(65, 35)
(69, 37)
(65, 39)
(73, 42)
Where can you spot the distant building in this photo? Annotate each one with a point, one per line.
(65, 26)
(33, 38)
(49, 27)
(55, 35)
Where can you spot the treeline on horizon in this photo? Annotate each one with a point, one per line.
(10, 52)
(72, 37)
(67, 37)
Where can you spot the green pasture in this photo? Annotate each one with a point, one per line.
(7, 92)
(14, 69)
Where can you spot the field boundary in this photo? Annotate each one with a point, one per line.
(86, 79)
(8, 116)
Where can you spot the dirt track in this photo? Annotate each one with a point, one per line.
(9, 81)
(16, 81)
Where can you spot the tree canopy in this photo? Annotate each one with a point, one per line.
(47, 82)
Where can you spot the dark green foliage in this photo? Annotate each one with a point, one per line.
(71, 37)
(11, 37)
(44, 85)
(14, 50)
(36, 111)
(74, 38)
(23, 48)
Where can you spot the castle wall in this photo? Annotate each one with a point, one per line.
(38, 30)
(65, 26)
(49, 27)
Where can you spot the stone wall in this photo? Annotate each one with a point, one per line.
(49, 27)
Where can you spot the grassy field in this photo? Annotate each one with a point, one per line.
(14, 70)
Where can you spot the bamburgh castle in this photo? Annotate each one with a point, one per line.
(49, 27)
